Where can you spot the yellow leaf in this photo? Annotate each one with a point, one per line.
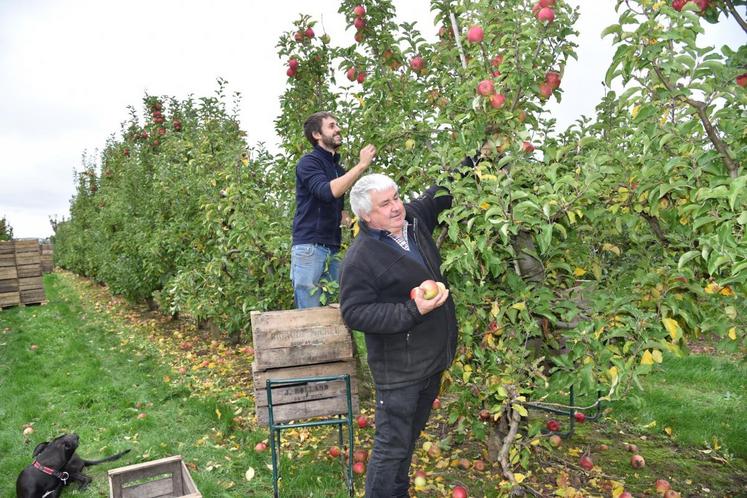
(579, 272)
(520, 409)
(519, 478)
(218, 413)
(647, 358)
(484, 205)
(519, 306)
(249, 475)
(712, 288)
(733, 333)
(726, 291)
(612, 373)
(356, 228)
(657, 356)
(634, 111)
(668, 430)
(675, 332)
(611, 248)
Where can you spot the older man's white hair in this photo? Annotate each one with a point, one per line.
(360, 194)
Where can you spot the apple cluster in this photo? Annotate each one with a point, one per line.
(305, 35)
(292, 67)
(354, 74)
(359, 22)
(543, 11)
(551, 83)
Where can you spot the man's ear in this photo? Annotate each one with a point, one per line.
(316, 136)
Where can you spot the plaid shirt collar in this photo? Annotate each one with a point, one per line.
(402, 241)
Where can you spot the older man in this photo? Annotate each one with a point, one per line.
(410, 340)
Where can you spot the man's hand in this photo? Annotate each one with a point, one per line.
(346, 221)
(367, 155)
(424, 305)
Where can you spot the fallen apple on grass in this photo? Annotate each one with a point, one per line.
(359, 468)
(662, 486)
(334, 452)
(459, 492)
(553, 425)
(586, 462)
(260, 447)
(362, 421)
(637, 462)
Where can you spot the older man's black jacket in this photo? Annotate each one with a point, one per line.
(375, 282)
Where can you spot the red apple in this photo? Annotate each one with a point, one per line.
(478, 465)
(126, 152)
(141, 415)
(553, 425)
(742, 80)
(637, 462)
(545, 90)
(360, 455)
(546, 14)
(359, 36)
(662, 486)
(555, 441)
(484, 414)
(678, 4)
(553, 77)
(309, 33)
(486, 88)
(527, 147)
(161, 130)
(177, 125)
(359, 11)
(359, 468)
(585, 462)
(475, 34)
(436, 404)
(182, 370)
(185, 346)
(496, 61)
(580, 417)
(465, 463)
(417, 63)
(362, 421)
(430, 289)
(351, 74)
(359, 23)
(631, 448)
(497, 100)
(298, 36)
(361, 77)
(459, 492)
(260, 447)
(672, 494)
(293, 64)
(290, 72)
(334, 452)
(546, 3)
(536, 8)
(625, 494)
(413, 292)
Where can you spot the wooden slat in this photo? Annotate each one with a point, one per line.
(28, 258)
(7, 260)
(270, 321)
(7, 247)
(8, 272)
(299, 393)
(310, 409)
(34, 296)
(152, 489)
(321, 369)
(9, 299)
(299, 347)
(173, 480)
(28, 271)
(10, 285)
(30, 283)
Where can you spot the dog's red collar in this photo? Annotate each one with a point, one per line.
(62, 476)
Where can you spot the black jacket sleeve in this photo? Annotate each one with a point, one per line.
(428, 206)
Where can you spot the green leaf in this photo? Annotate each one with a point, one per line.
(687, 257)
(612, 28)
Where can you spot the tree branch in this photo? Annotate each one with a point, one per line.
(733, 10)
(700, 110)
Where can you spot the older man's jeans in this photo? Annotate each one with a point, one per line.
(401, 414)
(309, 264)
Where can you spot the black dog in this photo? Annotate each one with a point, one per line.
(54, 466)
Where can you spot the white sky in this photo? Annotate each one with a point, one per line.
(69, 68)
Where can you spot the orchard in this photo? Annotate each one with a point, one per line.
(580, 257)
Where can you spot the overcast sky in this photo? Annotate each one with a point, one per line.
(69, 69)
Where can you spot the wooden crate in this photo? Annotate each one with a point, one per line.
(8, 259)
(302, 343)
(30, 283)
(28, 258)
(164, 478)
(24, 246)
(32, 296)
(9, 285)
(8, 273)
(8, 299)
(47, 258)
(25, 271)
(7, 247)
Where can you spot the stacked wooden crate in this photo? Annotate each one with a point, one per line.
(9, 295)
(294, 344)
(47, 263)
(28, 266)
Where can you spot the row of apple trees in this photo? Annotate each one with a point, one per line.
(576, 256)
(179, 212)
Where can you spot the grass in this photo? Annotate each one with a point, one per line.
(99, 363)
(90, 374)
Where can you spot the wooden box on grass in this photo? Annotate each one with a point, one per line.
(294, 344)
(47, 262)
(164, 478)
(7, 247)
